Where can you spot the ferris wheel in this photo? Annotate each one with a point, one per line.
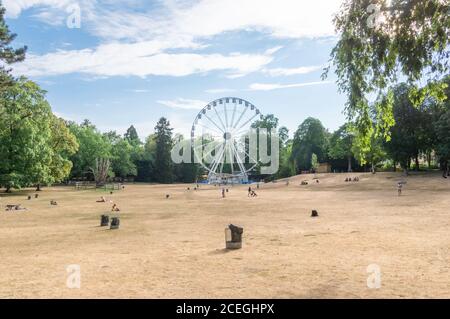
(219, 139)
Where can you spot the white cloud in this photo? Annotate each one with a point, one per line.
(197, 19)
(136, 42)
(292, 71)
(15, 7)
(185, 104)
(276, 86)
(217, 91)
(139, 59)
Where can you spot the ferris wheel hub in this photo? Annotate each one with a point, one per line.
(227, 136)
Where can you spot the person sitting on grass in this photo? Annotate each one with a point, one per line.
(253, 194)
(115, 208)
(102, 200)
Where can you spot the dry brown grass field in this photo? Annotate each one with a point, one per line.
(174, 248)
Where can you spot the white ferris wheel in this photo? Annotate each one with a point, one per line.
(219, 135)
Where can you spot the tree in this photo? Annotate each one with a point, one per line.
(442, 129)
(101, 170)
(412, 132)
(122, 163)
(34, 144)
(163, 160)
(380, 43)
(132, 136)
(314, 162)
(341, 145)
(8, 55)
(92, 146)
(310, 137)
(64, 144)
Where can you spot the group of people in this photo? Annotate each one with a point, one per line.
(114, 208)
(349, 179)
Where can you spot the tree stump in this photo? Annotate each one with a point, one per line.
(233, 237)
(104, 221)
(115, 223)
(315, 213)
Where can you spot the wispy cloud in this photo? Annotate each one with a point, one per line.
(276, 86)
(135, 42)
(217, 91)
(137, 60)
(292, 71)
(185, 104)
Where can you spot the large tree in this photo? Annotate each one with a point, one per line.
(341, 145)
(163, 160)
(8, 55)
(381, 41)
(310, 138)
(34, 144)
(92, 146)
(412, 133)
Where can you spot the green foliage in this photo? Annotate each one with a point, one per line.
(412, 41)
(132, 136)
(314, 162)
(311, 137)
(341, 144)
(163, 160)
(413, 129)
(34, 144)
(8, 55)
(122, 162)
(92, 146)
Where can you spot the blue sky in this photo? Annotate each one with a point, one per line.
(133, 61)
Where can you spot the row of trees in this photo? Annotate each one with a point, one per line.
(405, 122)
(418, 132)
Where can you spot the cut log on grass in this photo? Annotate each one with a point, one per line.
(104, 221)
(115, 223)
(233, 237)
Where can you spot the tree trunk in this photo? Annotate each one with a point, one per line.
(373, 168)
(8, 189)
(417, 162)
(38, 188)
(349, 164)
(429, 160)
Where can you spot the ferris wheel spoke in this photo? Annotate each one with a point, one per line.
(217, 159)
(220, 129)
(248, 121)
(239, 160)
(211, 129)
(241, 131)
(240, 118)
(226, 113)
(220, 119)
(251, 158)
(234, 113)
